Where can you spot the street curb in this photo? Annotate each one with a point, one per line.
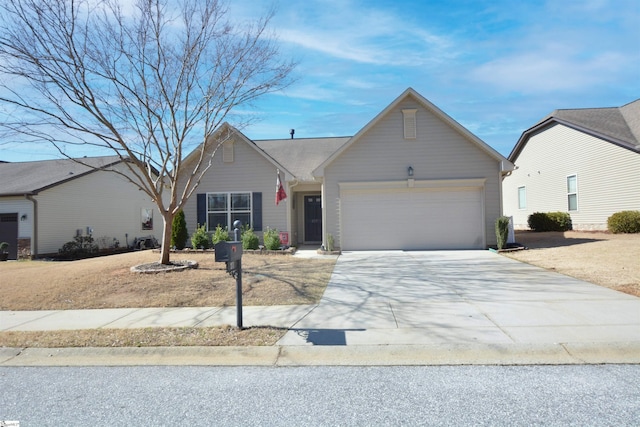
(361, 355)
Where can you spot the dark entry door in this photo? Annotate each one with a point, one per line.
(9, 233)
(312, 218)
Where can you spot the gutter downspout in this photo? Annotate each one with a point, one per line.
(34, 236)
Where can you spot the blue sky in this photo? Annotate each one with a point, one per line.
(497, 67)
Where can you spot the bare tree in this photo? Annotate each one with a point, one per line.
(148, 82)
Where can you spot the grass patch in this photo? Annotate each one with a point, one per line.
(144, 337)
(107, 282)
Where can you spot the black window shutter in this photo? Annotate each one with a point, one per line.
(257, 211)
(202, 209)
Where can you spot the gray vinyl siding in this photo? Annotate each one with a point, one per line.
(21, 206)
(251, 172)
(438, 152)
(608, 178)
(103, 201)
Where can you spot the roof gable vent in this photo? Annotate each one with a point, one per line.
(409, 119)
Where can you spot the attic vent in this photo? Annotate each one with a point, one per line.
(409, 118)
(227, 152)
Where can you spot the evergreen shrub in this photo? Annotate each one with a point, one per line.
(624, 222)
(179, 232)
(549, 221)
(200, 238)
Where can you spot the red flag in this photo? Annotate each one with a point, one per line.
(280, 193)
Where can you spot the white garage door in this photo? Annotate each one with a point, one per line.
(412, 219)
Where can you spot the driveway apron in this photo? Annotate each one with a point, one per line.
(461, 297)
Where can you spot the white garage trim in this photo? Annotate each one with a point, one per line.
(426, 214)
(346, 187)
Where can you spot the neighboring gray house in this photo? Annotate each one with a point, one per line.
(412, 178)
(582, 161)
(44, 204)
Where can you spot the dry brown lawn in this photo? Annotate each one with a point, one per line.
(610, 260)
(144, 337)
(605, 259)
(107, 282)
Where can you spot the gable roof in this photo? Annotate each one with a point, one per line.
(234, 134)
(301, 156)
(410, 92)
(304, 159)
(23, 178)
(617, 125)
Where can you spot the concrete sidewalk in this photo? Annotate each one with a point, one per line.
(387, 308)
(282, 316)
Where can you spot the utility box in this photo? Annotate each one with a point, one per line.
(228, 251)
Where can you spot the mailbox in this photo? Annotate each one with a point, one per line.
(228, 251)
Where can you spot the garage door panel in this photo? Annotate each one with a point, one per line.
(411, 220)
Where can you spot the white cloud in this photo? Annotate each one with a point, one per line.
(363, 34)
(549, 70)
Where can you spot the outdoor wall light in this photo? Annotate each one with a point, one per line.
(410, 171)
(23, 217)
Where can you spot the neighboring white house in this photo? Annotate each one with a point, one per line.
(582, 161)
(412, 178)
(44, 204)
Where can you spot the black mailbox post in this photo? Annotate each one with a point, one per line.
(231, 253)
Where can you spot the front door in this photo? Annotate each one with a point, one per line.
(312, 218)
(9, 233)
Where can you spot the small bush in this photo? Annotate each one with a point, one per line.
(179, 233)
(250, 240)
(624, 222)
(200, 238)
(80, 247)
(549, 221)
(272, 239)
(502, 231)
(220, 235)
(330, 242)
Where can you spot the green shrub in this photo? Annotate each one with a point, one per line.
(179, 232)
(220, 235)
(624, 222)
(249, 239)
(200, 238)
(330, 242)
(80, 247)
(272, 239)
(549, 221)
(502, 231)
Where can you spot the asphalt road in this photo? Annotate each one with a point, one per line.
(607, 395)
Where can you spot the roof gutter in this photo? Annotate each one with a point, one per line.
(34, 236)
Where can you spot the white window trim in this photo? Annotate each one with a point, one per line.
(228, 211)
(574, 193)
(410, 123)
(524, 205)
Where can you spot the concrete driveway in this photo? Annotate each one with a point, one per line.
(461, 298)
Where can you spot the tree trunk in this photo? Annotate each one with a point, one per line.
(165, 249)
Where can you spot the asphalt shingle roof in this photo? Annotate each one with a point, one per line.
(301, 156)
(620, 123)
(22, 178)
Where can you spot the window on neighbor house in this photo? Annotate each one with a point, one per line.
(522, 197)
(409, 121)
(224, 208)
(572, 192)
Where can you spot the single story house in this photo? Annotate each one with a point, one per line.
(582, 161)
(44, 204)
(411, 179)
